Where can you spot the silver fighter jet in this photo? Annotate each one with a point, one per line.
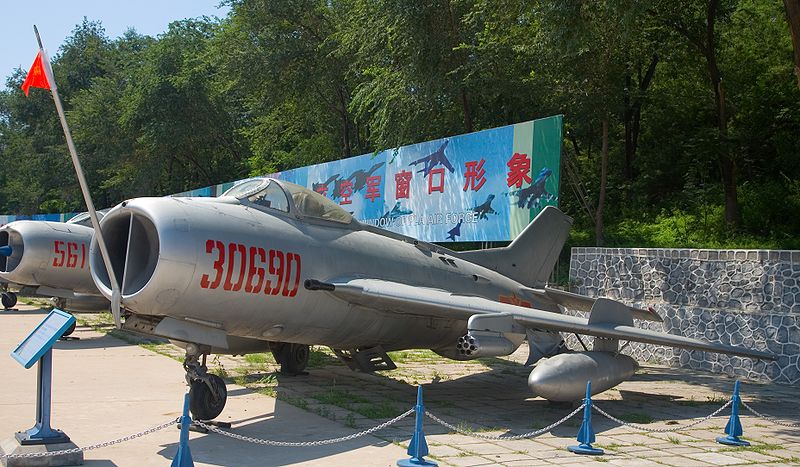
(50, 259)
(274, 266)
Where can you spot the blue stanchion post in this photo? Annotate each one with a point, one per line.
(734, 427)
(418, 448)
(183, 458)
(586, 432)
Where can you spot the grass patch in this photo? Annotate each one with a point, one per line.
(713, 399)
(415, 356)
(325, 411)
(610, 447)
(673, 440)
(268, 391)
(350, 421)
(377, 410)
(339, 398)
(259, 358)
(357, 404)
(463, 427)
(761, 448)
(298, 402)
(636, 417)
(321, 356)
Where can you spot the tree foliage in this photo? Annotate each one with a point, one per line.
(682, 117)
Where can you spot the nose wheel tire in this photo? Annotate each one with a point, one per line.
(70, 329)
(9, 299)
(292, 357)
(207, 397)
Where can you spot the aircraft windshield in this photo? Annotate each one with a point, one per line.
(84, 219)
(311, 204)
(244, 188)
(271, 196)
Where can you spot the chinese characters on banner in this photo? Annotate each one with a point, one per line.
(483, 186)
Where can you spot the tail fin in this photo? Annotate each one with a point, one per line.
(530, 258)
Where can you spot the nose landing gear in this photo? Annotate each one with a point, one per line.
(9, 299)
(207, 392)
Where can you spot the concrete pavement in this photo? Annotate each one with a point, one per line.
(106, 388)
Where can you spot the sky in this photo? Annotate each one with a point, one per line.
(57, 18)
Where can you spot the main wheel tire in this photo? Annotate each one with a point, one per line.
(70, 329)
(293, 358)
(9, 299)
(204, 403)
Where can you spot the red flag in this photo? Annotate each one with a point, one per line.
(36, 76)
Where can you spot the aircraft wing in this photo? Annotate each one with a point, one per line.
(407, 299)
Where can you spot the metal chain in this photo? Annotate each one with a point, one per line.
(767, 417)
(661, 430)
(93, 446)
(269, 442)
(530, 434)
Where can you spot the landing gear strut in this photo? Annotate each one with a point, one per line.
(207, 392)
(293, 358)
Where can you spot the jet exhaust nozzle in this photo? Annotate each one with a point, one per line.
(477, 344)
(563, 377)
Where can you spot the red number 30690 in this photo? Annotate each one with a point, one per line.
(270, 272)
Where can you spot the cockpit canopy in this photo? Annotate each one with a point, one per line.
(84, 219)
(272, 194)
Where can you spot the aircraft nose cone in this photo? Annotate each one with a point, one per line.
(6, 250)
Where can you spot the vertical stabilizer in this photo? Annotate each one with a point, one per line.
(530, 258)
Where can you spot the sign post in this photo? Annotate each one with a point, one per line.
(38, 346)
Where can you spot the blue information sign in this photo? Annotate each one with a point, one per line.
(42, 338)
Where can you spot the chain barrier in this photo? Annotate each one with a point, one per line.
(269, 442)
(662, 430)
(530, 434)
(462, 431)
(769, 418)
(93, 446)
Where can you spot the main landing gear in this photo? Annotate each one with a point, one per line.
(293, 358)
(207, 392)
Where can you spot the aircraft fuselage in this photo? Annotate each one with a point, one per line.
(243, 270)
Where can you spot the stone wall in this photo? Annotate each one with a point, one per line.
(738, 297)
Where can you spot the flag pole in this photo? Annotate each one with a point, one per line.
(115, 291)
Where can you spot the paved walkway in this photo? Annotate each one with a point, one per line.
(107, 388)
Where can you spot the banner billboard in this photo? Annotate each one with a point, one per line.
(481, 186)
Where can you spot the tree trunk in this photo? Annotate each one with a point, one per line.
(726, 163)
(458, 59)
(467, 111)
(601, 202)
(793, 17)
(627, 118)
(346, 145)
(633, 114)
